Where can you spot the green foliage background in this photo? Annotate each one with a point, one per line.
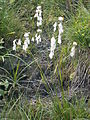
(16, 18)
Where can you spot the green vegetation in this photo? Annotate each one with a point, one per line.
(46, 110)
(77, 28)
(33, 86)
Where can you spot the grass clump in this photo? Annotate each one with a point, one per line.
(77, 28)
(46, 109)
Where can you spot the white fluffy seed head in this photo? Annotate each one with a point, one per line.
(53, 43)
(14, 47)
(19, 42)
(38, 7)
(32, 39)
(38, 15)
(25, 46)
(51, 55)
(74, 44)
(39, 30)
(14, 44)
(55, 26)
(72, 51)
(61, 18)
(27, 40)
(60, 27)
(39, 23)
(53, 46)
(38, 38)
(26, 34)
(14, 41)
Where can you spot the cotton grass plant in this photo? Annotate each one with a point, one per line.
(76, 32)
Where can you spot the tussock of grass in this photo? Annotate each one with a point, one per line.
(46, 109)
